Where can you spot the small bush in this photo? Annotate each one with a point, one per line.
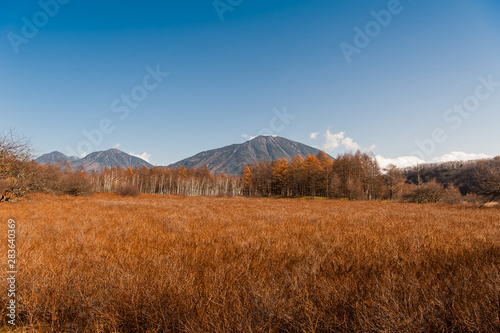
(432, 192)
(429, 192)
(452, 195)
(129, 190)
(75, 184)
(474, 199)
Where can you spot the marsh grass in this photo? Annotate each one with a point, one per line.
(152, 263)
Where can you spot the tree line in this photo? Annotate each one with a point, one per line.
(353, 176)
(358, 176)
(175, 181)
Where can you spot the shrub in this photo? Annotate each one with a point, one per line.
(429, 192)
(75, 184)
(128, 190)
(452, 195)
(474, 199)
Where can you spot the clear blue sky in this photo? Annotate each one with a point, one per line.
(227, 76)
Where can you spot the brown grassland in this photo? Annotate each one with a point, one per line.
(157, 263)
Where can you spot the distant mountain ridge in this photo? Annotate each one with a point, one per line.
(233, 158)
(55, 157)
(229, 160)
(96, 161)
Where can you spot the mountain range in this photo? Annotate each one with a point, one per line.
(229, 160)
(96, 161)
(55, 157)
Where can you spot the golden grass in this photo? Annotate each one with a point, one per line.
(195, 264)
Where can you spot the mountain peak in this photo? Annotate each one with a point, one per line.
(95, 161)
(232, 159)
(55, 157)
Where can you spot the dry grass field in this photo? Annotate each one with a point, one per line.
(155, 263)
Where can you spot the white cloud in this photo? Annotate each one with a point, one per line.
(400, 162)
(145, 156)
(335, 140)
(82, 155)
(117, 145)
(459, 156)
(349, 144)
(250, 137)
(314, 135)
(407, 161)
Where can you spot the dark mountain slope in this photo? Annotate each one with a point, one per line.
(232, 159)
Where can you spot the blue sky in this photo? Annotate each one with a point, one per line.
(237, 69)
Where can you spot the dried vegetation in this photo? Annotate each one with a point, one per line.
(152, 263)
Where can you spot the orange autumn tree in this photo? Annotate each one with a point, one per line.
(280, 171)
(351, 175)
(312, 169)
(247, 181)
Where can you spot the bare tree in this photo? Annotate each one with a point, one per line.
(15, 155)
(488, 179)
(394, 180)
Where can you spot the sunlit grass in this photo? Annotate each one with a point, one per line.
(157, 263)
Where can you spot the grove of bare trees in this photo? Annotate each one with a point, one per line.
(488, 179)
(177, 181)
(15, 156)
